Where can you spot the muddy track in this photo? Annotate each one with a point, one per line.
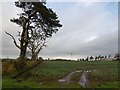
(67, 78)
(83, 78)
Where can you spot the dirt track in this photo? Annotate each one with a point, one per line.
(83, 78)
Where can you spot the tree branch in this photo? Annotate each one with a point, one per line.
(13, 39)
(43, 45)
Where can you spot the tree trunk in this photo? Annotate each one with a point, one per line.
(34, 56)
(24, 40)
(22, 53)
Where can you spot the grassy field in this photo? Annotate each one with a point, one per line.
(104, 74)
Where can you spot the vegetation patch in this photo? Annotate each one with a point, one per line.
(46, 75)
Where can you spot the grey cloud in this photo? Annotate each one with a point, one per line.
(92, 21)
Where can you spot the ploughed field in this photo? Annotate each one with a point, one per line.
(66, 74)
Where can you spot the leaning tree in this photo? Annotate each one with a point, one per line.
(34, 16)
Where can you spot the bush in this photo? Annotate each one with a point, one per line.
(12, 66)
(19, 65)
(8, 67)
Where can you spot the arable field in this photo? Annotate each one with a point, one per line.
(100, 74)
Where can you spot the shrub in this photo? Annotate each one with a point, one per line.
(19, 65)
(8, 67)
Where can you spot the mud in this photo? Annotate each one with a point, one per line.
(83, 79)
(67, 78)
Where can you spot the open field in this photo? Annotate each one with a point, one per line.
(101, 74)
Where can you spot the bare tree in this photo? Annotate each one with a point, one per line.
(36, 43)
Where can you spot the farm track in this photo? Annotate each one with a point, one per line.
(83, 78)
(67, 79)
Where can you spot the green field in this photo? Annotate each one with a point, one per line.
(104, 74)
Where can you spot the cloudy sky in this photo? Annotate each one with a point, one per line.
(89, 28)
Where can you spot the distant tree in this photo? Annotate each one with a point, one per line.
(78, 59)
(105, 57)
(91, 58)
(35, 16)
(96, 58)
(83, 59)
(87, 59)
(48, 59)
(99, 57)
(40, 58)
(117, 56)
(109, 56)
(102, 57)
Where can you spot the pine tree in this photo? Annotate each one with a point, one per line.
(34, 16)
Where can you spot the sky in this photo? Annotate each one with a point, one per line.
(89, 28)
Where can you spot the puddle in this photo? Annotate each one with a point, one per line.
(67, 78)
(79, 71)
(83, 79)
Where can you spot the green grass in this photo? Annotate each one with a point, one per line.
(49, 72)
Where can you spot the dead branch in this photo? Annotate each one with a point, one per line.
(13, 39)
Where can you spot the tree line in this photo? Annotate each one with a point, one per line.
(100, 57)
